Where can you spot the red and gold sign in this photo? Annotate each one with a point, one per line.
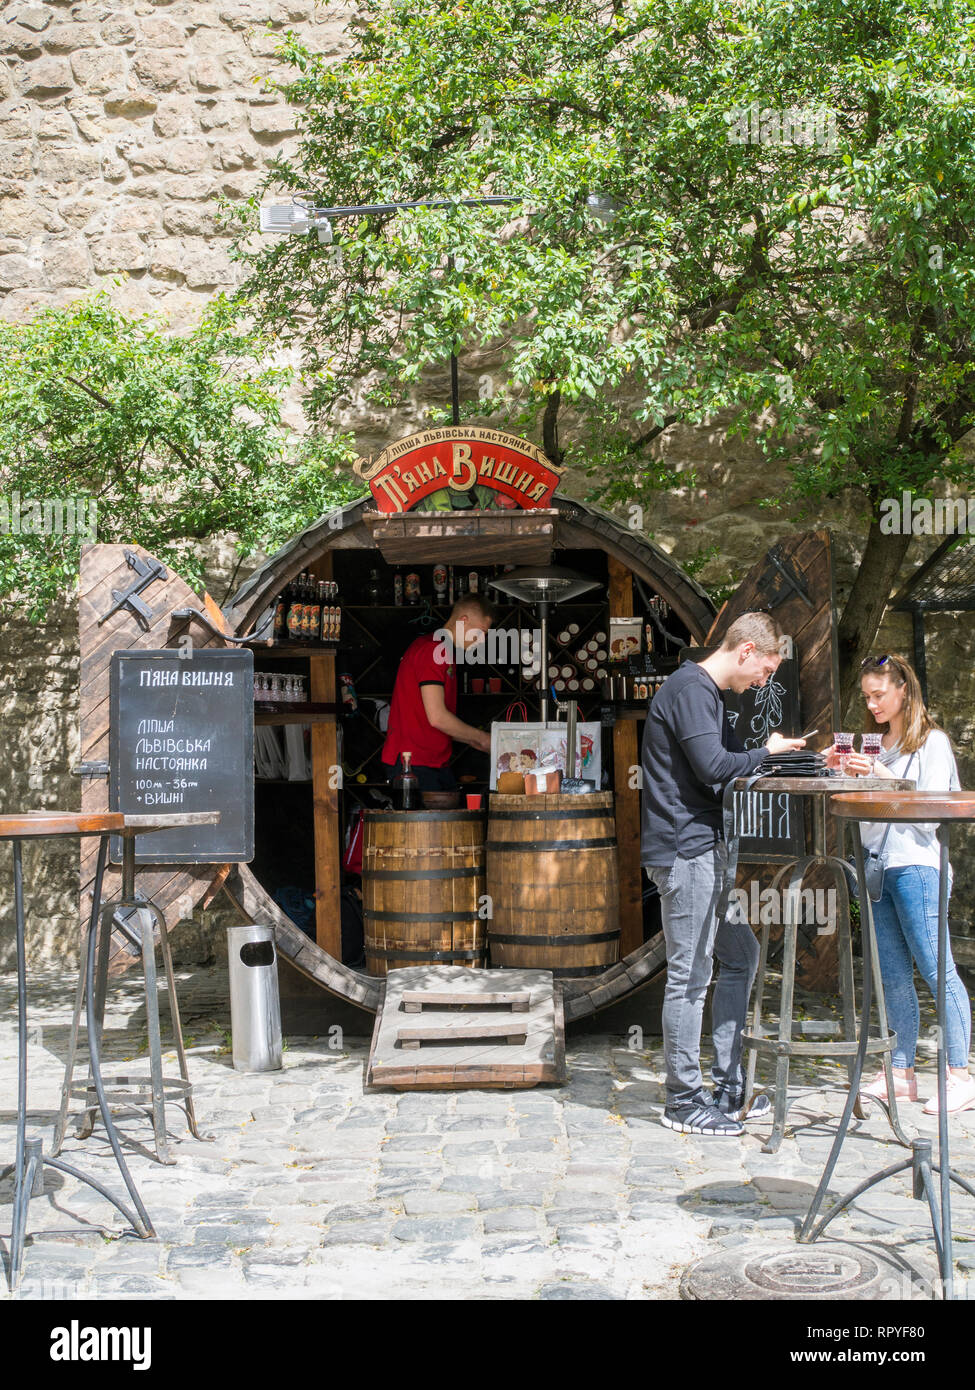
(457, 467)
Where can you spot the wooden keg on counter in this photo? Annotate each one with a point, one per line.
(553, 883)
(422, 887)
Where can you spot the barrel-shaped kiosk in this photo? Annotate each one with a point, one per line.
(553, 884)
(423, 889)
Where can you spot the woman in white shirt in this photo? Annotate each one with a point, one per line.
(906, 916)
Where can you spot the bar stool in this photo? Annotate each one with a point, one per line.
(942, 809)
(138, 919)
(755, 1041)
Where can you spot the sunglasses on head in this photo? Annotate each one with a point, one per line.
(874, 660)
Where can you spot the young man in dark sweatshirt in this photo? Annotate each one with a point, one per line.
(690, 753)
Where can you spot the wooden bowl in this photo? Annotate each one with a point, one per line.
(441, 801)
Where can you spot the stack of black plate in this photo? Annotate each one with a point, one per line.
(803, 763)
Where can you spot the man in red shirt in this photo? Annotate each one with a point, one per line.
(423, 714)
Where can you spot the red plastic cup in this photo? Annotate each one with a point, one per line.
(494, 685)
(473, 801)
(477, 685)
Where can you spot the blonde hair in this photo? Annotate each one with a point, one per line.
(760, 628)
(917, 722)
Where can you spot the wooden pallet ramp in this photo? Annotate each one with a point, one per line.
(445, 1027)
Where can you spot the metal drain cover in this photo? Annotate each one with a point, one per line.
(839, 1272)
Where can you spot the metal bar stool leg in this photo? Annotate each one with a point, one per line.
(146, 923)
(167, 956)
(789, 942)
(96, 1011)
(60, 1128)
(756, 1020)
(844, 960)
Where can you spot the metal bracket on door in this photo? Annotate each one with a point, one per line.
(789, 579)
(148, 570)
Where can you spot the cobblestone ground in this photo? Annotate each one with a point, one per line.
(313, 1188)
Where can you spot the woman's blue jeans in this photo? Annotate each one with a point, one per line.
(906, 921)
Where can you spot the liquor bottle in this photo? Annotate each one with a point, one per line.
(440, 583)
(281, 614)
(315, 610)
(411, 587)
(374, 591)
(398, 588)
(473, 582)
(295, 609)
(306, 606)
(323, 631)
(406, 789)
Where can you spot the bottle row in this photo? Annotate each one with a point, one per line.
(443, 584)
(307, 611)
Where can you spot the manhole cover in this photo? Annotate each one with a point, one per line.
(796, 1272)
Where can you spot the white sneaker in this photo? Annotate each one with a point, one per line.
(960, 1095)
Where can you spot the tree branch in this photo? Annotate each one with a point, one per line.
(651, 434)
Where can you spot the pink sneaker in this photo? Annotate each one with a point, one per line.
(905, 1087)
(960, 1095)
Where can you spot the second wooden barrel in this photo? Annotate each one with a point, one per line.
(553, 884)
(423, 889)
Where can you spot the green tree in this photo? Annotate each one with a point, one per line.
(173, 437)
(785, 195)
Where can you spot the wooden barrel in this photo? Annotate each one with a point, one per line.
(422, 888)
(553, 884)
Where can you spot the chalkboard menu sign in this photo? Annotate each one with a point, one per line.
(771, 824)
(182, 739)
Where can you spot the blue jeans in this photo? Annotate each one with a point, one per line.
(689, 891)
(906, 921)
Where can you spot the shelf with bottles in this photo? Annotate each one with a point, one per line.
(307, 615)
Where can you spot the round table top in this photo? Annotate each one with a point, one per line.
(904, 806)
(38, 824)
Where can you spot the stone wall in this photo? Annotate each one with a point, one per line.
(121, 126)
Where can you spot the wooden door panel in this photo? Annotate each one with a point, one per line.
(174, 889)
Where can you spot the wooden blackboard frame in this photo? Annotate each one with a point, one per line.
(232, 840)
(755, 849)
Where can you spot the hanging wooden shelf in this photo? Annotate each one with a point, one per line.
(474, 537)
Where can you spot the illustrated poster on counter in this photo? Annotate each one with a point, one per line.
(525, 747)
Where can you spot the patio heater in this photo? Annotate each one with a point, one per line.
(544, 586)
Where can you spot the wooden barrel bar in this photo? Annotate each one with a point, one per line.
(422, 889)
(553, 884)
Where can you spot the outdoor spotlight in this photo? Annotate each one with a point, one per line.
(296, 219)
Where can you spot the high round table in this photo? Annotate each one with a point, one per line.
(30, 1159)
(942, 809)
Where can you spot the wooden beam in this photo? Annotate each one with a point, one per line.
(625, 757)
(325, 797)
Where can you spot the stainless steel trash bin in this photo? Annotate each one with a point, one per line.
(255, 1006)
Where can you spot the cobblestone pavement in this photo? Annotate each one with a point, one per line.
(313, 1188)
